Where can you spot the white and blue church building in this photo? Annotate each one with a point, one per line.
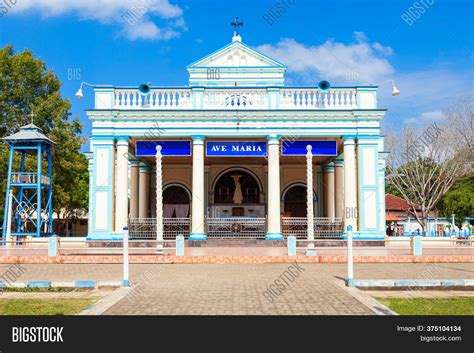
(233, 159)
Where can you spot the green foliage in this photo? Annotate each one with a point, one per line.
(50, 306)
(26, 86)
(459, 200)
(391, 189)
(430, 306)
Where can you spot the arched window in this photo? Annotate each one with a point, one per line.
(294, 200)
(175, 194)
(225, 187)
(176, 200)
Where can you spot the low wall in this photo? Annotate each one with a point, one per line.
(172, 259)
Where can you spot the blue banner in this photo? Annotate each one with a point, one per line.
(236, 149)
(298, 147)
(169, 148)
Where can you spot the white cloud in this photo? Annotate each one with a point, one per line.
(134, 16)
(426, 117)
(433, 115)
(359, 62)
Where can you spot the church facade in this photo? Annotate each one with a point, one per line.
(234, 155)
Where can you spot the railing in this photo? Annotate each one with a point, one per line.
(165, 98)
(324, 227)
(315, 99)
(145, 228)
(236, 98)
(236, 227)
(28, 178)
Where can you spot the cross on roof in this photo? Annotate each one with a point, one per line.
(236, 24)
(32, 116)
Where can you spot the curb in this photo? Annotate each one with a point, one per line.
(81, 284)
(371, 303)
(107, 302)
(422, 284)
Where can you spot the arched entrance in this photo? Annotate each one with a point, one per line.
(294, 200)
(176, 201)
(236, 192)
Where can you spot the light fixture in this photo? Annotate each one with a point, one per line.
(395, 90)
(79, 93)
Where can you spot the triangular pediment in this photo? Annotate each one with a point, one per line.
(237, 54)
(236, 65)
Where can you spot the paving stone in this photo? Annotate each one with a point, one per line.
(230, 289)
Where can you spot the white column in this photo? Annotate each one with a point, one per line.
(273, 192)
(90, 158)
(329, 199)
(339, 188)
(350, 184)
(144, 191)
(134, 177)
(382, 157)
(197, 211)
(121, 189)
(159, 199)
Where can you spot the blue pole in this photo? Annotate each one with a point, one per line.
(38, 193)
(5, 211)
(50, 191)
(20, 196)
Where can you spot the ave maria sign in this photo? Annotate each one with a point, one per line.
(236, 149)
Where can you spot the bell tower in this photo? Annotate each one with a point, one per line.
(28, 202)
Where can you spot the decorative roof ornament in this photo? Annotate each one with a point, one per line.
(236, 23)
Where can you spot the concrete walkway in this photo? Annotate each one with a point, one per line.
(240, 289)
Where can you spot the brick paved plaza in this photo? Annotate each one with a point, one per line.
(238, 289)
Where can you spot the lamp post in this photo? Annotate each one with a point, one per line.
(309, 202)
(159, 199)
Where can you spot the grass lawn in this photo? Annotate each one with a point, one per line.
(434, 306)
(46, 306)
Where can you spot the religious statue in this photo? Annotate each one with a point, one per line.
(238, 189)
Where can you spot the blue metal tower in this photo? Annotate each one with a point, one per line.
(29, 184)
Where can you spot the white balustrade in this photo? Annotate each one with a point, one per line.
(166, 98)
(237, 98)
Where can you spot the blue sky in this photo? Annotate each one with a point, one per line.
(429, 54)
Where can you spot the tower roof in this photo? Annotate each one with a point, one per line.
(28, 133)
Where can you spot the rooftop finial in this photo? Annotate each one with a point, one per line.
(236, 24)
(32, 117)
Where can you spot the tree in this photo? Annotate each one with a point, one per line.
(26, 86)
(460, 119)
(422, 167)
(459, 200)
